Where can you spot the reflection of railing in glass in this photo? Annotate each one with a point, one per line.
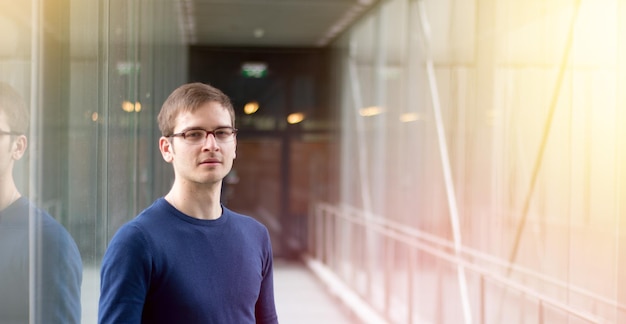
(413, 264)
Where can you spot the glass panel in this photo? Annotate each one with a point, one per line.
(496, 132)
(92, 162)
(15, 158)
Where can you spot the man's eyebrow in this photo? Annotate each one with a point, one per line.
(202, 128)
(192, 128)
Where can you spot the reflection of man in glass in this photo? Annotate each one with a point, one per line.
(50, 285)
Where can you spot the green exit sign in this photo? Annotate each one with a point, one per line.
(254, 70)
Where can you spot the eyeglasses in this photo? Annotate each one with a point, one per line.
(9, 133)
(199, 135)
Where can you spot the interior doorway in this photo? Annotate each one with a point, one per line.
(281, 162)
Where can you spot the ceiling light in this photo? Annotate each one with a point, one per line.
(370, 111)
(409, 117)
(259, 32)
(251, 107)
(295, 118)
(128, 106)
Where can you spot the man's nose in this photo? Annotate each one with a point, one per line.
(210, 142)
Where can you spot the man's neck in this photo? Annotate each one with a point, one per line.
(201, 203)
(9, 195)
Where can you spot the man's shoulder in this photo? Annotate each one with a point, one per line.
(245, 219)
(152, 213)
(236, 215)
(50, 227)
(152, 217)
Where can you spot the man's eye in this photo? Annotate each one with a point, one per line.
(222, 132)
(194, 134)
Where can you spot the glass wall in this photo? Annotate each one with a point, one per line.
(94, 74)
(489, 179)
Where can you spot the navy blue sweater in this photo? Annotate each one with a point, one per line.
(167, 267)
(58, 269)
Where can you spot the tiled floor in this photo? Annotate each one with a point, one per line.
(301, 298)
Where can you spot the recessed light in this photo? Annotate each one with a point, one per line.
(259, 32)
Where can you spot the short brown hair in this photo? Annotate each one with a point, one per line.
(14, 108)
(187, 98)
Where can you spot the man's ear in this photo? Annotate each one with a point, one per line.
(19, 147)
(166, 148)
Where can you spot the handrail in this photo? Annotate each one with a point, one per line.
(488, 258)
(424, 242)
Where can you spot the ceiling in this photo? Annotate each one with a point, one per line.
(268, 23)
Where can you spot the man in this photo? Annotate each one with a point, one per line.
(187, 258)
(52, 282)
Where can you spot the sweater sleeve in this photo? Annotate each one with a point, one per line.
(124, 277)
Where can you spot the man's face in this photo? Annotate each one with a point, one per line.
(207, 162)
(7, 148)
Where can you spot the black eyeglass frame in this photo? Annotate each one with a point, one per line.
(182, 134)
